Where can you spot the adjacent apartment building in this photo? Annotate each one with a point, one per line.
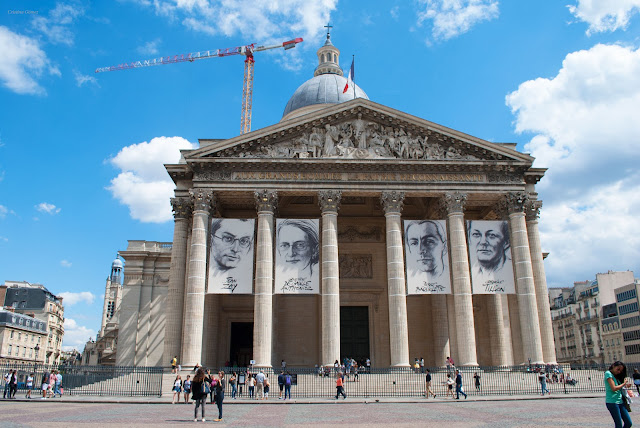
(21, 338)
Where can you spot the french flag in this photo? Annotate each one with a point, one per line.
(350, 78)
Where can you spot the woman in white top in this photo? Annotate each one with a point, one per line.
(177, 389)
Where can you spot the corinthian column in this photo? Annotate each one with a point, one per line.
(540, 281)
(266, 203)
(453, 204)
(396, 285)
(192, 326)
(440, 327)
(175, 295)
(514, 204)
(497, 332)
(329, 202)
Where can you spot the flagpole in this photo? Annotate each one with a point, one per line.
(353, 61)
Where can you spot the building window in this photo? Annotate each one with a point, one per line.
(17, 351)
(10, 347)
(11, 335)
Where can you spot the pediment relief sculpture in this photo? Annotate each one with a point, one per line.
(359, 139)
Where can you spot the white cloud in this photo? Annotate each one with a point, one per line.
(70, 298)
(587, 133)
(47, 208)
(144, 185)
(75, 336)
(601, 15)
(3, 211)
(450, 18)
(395, 12)
(65, 263)
(56, 25)
(82, 79)
(22, 62)
(4, 239)
(149, 48)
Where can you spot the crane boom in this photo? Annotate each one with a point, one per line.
(247, 50)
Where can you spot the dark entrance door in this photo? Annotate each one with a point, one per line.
(354, 332)
(241, 349)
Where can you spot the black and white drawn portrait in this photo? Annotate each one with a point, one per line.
(490, 256)
(297, 256)
(426, 257)
(231, 256)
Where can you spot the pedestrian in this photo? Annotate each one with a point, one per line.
(233, 381)
(459, 389)
(355, 372)
(427, 390)
(177, 389)
(614, 382)
(174, 363)
(209, 385)
(267, 385)
(542, 378)
(199, 393)
(187, 389)
(476, 378)
(336, 366)
(13, 384)
(251, 381)
(58, 384)
(260, 386)
(7, 379)
(281, 384)
(368, 364)
(220, 394)
(340, 386)
(421, 365)
(287, 386)
(416, 365)
(449, 382)
(29, 385)
(44, 384)
(283, 364)
(636, 380)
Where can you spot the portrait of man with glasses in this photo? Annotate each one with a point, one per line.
(231, 256)
(297, 256)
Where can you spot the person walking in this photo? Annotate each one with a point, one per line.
(636, 380)
(427, 391)
(177, 389)
(281, 384)
(220, 386)
(174, 363)
(614, 382)
(13, 384)
(45, 384)
(199, 393)
(476, 379)
(542, 378)
(260, 386)
(187, 389)
(58, 384)
(287, 386)
(340, 386)
(233, 381)
(251, 381)
(7, 379)
(29, 385)
(449, 382)
(459, 386)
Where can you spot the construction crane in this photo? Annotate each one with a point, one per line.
(247, 88)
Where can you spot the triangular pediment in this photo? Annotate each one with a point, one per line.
(358, 129)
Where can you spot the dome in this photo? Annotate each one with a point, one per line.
(321, 89)
(117, 263)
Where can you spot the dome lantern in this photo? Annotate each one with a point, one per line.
(328, 58)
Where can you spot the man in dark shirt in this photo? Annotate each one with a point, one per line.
(459, 386)
(428, 390)
(281, 383)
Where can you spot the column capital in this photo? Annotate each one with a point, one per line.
(510, 203)
(329, 200)
(453, 202)
(203, 199)
(392, 201)
(181, 207)
(266, 200)
(532, 209)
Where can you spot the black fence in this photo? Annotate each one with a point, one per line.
(92, 380)
(512, 380)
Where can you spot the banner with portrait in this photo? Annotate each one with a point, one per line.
(490, 257)
(297, 256)
(426, 257)
(231, 256)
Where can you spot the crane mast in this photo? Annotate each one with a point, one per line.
(247, 86)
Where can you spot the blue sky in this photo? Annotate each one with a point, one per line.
(81, 153)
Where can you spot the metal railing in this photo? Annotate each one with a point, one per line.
(92, 380)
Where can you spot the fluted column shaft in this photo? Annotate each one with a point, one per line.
(396, 285)
(329, 203)
(192, 327)
(497, 332)
(266, 203)
(440, 327)
(454, 203)
(175, 293)
(525, 287)
(540, 281)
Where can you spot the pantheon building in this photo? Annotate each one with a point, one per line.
(347, 229)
